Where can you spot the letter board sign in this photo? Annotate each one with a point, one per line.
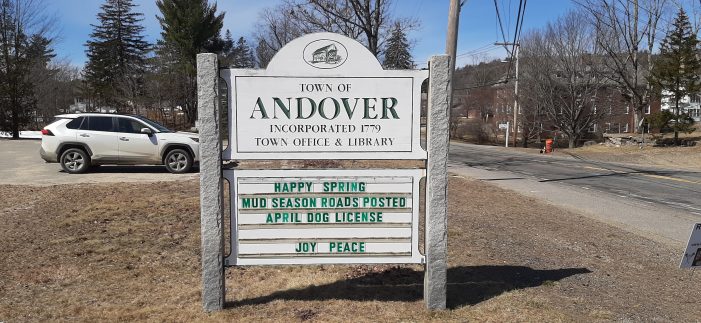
(324, 216)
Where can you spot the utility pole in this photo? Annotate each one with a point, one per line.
(515, 124)
(451, 43)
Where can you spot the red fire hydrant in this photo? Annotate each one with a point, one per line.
(548, 146)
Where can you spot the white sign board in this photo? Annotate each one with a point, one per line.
(692, 254)
(324, 96)
(324, 216)
(503, 126)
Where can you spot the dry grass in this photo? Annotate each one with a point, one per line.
(688, 158)
(130, 252)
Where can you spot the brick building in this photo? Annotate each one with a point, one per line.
(493, 105)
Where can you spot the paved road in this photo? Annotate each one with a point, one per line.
(663, 202)
(23, 166)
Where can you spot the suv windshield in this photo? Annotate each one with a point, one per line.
(154, 124)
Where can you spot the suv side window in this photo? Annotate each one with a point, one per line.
(75, 123)
(97, 123)
(128, 125)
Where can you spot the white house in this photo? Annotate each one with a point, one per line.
(690, 104)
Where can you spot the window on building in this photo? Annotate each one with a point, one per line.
(625, 127)
(592, 129)
(627, 109)
(616, 128)
(608, 127)
(647, 109)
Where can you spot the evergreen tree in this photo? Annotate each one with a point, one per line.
(20, 51)
(227, 53)
(264, 53)
(675, 73)
(397, 55)
(189, 27)
(116, 55)
(243, 55)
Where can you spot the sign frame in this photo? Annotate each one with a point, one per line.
(233, 176)
(212, 155)
(358, 67)
(692, 254)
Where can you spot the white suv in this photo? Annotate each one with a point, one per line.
(79, 141)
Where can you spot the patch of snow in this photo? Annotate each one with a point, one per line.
(23, 134)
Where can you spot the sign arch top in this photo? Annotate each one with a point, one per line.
(335, 54)
(324, 96)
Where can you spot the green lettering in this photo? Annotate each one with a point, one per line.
(312, 105)
(349, 110)
(283, 108)
(389, 107)
(322, 112)
(369, 107)
(261, 109)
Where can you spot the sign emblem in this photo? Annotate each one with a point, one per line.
(325, 54)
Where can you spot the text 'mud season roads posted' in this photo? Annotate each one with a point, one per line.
(360, 218)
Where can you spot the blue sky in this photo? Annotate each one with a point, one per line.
(478, 26)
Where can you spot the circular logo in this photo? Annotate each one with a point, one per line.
(325, 54)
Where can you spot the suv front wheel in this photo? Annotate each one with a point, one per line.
(178, 161)
(75, 161)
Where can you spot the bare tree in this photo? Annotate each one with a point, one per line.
(563, 65)
(56, 88)
(627, 31)
(368, 21)
(275, 28)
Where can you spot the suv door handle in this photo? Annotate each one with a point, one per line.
(84, 135)
(123, 138)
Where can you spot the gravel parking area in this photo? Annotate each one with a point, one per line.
(24, 166)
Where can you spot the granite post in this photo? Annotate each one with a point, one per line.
(439, 91)
(211, 187)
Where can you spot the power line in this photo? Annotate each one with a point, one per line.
(501, 26)
(482, 85)
(478, 52)
(478, 49)
(517, 33)
(523, 15)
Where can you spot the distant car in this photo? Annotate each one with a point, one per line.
(78, 141)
